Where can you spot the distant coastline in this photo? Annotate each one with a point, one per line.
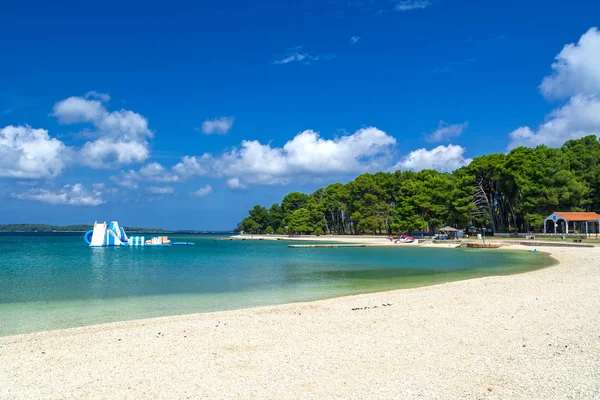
(45, 228)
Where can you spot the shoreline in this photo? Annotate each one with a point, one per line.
(230, 342)
(374, 241)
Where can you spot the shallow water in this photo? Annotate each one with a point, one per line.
(56, 281)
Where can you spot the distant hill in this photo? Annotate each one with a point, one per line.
(67, 228)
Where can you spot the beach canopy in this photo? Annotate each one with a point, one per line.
(448, 229)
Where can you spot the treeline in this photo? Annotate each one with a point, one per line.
(67, 228)
(511, 192)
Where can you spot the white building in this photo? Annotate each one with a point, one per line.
(572, 222)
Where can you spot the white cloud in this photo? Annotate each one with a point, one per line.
(203, 191)
(154, 172)
(30, 153)
(576, 70)
(442, 158)
(217, 126)
(98, 186)
(578, 118)
(127, 179)
(106, 153)
(75, 110)
(192, 166)
(234, 183)
(160, 189)
(121, 135)
(446, 132)
(306, 154)
(355, 39)
(577, 76)
(408, 5)
(187, 168)
(74, 195)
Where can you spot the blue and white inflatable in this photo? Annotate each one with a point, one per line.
(104, 235)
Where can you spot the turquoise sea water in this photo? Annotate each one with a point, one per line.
(51, 282)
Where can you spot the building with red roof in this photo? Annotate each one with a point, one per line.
(575, 222)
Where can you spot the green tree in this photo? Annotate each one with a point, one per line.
(275, 216)
(293, 201)
(301, 221)
(260, 215)
(370, 209)
(335, 207)
(249, 225)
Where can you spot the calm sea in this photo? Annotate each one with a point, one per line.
(56, 281)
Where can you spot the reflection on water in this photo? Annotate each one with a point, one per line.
(56, 281)
(98, 266)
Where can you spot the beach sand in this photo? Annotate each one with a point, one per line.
(529, 336)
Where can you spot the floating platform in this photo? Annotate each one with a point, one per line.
(113, 235)
(536, 243)
(481, 245)
(323, 246)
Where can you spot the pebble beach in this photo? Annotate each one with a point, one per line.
(527, 336)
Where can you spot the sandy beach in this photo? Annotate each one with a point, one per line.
(527, 336)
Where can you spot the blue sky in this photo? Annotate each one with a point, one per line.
(183, 115)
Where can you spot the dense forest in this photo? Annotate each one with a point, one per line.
(511, 192)
(68, 228)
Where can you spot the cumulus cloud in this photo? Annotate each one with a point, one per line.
(306, 154)
(121, 136)
(217, 126)
(127, 179)
(107, 153)
(576, 70)
(446, 132)
(203, 191)
(154, 172)
(74, 195)
(160, 190)
(578, 118)
(442, 158)
(78, 109)
(408, 5)
(234, 183)
(30, 153)
(187, 168)
(576, 74)
(192, 166)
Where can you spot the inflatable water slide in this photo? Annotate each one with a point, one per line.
(104, 235)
